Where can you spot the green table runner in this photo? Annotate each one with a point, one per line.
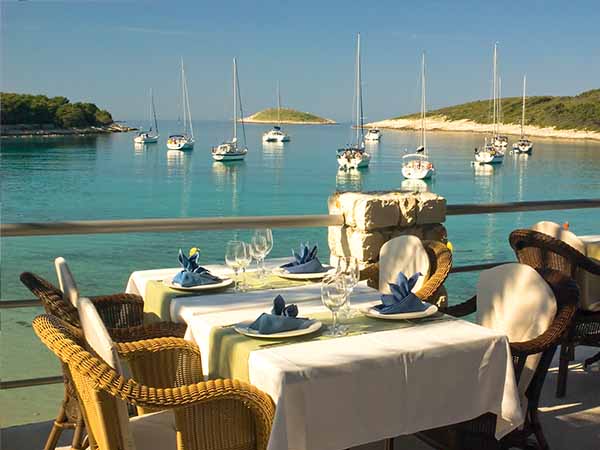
(157, 300)
(229, 351)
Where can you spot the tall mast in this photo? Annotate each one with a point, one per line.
(423, 100)
(278, 105)
(234, 100)
(183, 95)
(187, 113)
(523, 109)
(153, 110)
(495, 94)
(359, 110)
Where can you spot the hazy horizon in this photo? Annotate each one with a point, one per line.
(112, 53)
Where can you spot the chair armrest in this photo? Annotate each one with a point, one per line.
(590, 265)
(148, 331)
(120, 310)
(440, 258)
(371, 274)
(462, 309)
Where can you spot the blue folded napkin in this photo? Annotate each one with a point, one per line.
(282, 318)
(192, 274)
(402, 300)
(305, 261)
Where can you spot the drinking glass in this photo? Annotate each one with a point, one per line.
(261, 245)
(349, 269)
(232, 250)
(334, 295)
(243, 258)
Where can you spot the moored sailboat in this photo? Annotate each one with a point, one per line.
(417, 166)
(354, 156)
(373, 135)
(231, 150)
(185, 139)
(492, 151)
(276, 134)
(151, 136)
(523, 145)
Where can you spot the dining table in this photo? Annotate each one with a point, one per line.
(381, 379)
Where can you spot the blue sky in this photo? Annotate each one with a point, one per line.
(112, 52)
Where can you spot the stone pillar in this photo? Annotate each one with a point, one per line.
(372, 218)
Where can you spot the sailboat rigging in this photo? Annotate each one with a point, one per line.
(276, 134)
(524, 145)
(185, 139)
(151, 136)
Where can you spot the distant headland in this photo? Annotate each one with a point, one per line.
(25, 115)
(576, 117)
(289, 116)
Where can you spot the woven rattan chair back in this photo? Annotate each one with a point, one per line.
(51, 297)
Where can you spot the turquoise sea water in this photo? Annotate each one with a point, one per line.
(105, 177)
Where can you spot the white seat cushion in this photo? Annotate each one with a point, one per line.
(558, 232)
(154, 431)
(402, 254)
(66, 281)
(515, 300)
(98, 339)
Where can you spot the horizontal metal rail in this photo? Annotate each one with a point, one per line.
(228, 223)
(30, 382)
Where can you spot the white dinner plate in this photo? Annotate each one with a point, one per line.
(372, 312)
(203, 287)
(282, 273)
(243, 328)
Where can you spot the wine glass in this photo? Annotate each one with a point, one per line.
(232, 250)
(243, 258)
(262, 244)
(334, 295)
(349, 269)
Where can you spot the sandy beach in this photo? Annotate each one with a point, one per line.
(440, 123)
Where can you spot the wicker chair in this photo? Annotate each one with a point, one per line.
(478, 433)
(542, 251)
(218, 414)
(440, 263)
(122, 313)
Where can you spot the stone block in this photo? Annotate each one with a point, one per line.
(337, 238)
(365, 245)
(343, 203)
(372, 212)
(431, 208)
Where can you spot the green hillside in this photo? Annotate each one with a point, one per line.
(579, 112)
(288, 115)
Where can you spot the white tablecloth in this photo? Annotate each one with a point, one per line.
(339, 393)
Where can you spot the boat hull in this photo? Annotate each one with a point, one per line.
(486, 157)
(522, 149)
(146, 139)
(187, 145)
(275, 139)
(228, 157)
(412, 173)
(354, 162)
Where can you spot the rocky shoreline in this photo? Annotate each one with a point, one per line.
(441, 123)
(31, 131)
(289, 122)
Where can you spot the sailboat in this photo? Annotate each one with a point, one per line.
(417, 166)
(354, 155)
(184, 140)
(524, 145)
(230, 150)
(373, 135)
(500, 141)
(491, 153)
(275, 134)
(151, 136)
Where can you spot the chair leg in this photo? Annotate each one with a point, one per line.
(57, 427)
(563, 369)
(538, 432)
(79, 442)
(388, 444)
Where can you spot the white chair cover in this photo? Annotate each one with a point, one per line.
(66, 281)
(402, 254)
(556, 231)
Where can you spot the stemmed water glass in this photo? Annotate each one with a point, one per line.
(349, 269)
(261, 245)
(232, 250)
(334, 295)
(244, 258)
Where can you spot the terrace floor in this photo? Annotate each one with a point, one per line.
(572, 422)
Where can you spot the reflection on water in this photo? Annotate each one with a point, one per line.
(178, 162)
(348, 180)
(227, 177)
(139, 148)
(414, 186)
(273, 148)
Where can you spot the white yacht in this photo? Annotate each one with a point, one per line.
(232, 150)
(185, 139)
(151, 136)
(493, 149)
(276, 134)
(418, 166)
(373, 135)
(354, 156)
(523, 145)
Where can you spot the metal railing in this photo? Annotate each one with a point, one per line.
(223, 223)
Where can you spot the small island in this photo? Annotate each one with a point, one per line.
(288, 116)
(25, 115)
(576, 117)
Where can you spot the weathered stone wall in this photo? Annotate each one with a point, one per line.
(370, 219)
